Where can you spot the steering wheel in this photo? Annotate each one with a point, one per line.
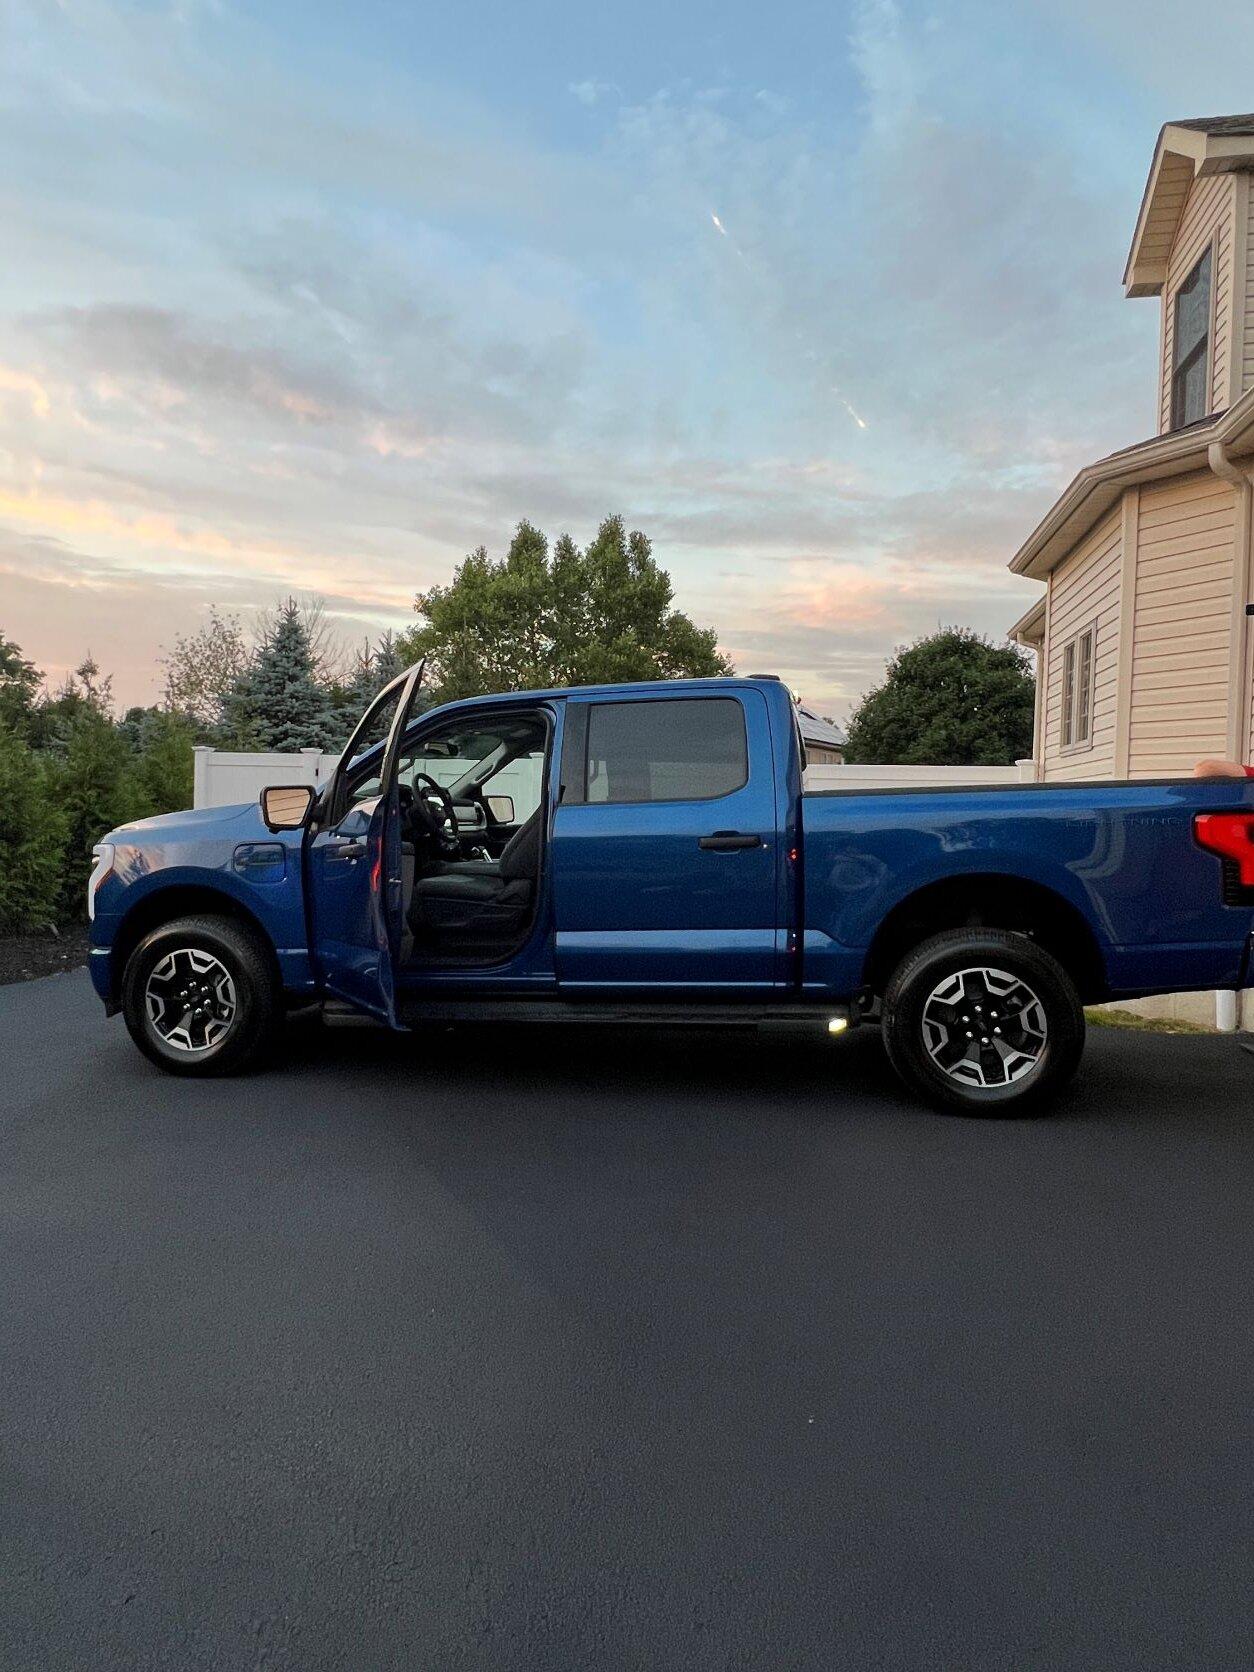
(436, 814)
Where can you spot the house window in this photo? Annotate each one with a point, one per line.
(1077, 690)
(1190, 350)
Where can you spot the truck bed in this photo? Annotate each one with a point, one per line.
(1114, 862)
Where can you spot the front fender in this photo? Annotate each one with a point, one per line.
(243, 868)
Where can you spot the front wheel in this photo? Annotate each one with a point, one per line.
(983, 1021)
(198, 996)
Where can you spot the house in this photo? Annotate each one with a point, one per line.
(1143, 635)
(825, 743)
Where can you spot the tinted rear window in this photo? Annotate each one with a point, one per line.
(676, 749)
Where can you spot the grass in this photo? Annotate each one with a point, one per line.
(1141, 1024)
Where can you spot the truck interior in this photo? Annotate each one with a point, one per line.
(471, 795)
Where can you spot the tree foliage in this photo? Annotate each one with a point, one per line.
(97, 787)
(162, 744)
(370, 669)
(277, 701)
(950, 699)
(536, 618)
(19, 686)
(203, 666)
(70, 772)
(32, 837)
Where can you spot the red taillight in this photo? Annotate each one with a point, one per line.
(1232, 836)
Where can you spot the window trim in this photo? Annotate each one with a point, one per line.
(648, 800)
(1206, 348)
(1072, 744)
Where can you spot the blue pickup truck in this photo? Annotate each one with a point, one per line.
(647, 854)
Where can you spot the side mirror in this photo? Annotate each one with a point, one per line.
(501, 808)
(287, 806)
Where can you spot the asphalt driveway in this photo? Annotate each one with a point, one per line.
(565, 1351)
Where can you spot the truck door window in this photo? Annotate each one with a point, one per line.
(497, 756)
(673, 749)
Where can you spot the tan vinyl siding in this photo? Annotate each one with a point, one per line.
(1084, 592)
(1246, 269)
(1182, 623)
(1208, 217)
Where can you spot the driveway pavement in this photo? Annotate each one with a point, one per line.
(569, 1352)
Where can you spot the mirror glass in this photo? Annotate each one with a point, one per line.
(501, 808)
(286, 807)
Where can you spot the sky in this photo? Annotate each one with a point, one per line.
(314, 299)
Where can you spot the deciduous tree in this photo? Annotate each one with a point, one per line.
(203, 666)
(951, 699)
(533, 618)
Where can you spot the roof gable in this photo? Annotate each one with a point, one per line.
(1185, 151)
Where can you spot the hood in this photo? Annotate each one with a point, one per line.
(190, 822)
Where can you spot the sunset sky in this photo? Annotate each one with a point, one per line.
(316, 298)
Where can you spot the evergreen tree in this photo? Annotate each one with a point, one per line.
(388, 661)
(277, 702)
(164, 764)
(19, 686)
(85, 692)
(351, 697)
(96, 787)
(32, 838)
(951, 699)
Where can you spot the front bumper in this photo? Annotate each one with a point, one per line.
(100, 968)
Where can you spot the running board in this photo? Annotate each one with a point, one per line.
(418, 1012)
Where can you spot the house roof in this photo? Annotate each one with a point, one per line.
(1194, 146)
(814, 729)
(1099, 486)
(1029, 630)
(1216, 124)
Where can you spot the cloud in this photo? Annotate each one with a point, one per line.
(591, 92)
(285, 329)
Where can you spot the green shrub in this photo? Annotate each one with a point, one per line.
(165, 760)
(32, 839)
(99, 787)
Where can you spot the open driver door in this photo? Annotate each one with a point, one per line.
(355, 892)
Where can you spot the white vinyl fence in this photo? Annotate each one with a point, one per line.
(914, 777)
(223, 778)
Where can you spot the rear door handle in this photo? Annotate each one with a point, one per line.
(727, 841)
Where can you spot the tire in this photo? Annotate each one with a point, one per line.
(222, 967)
(957, 982)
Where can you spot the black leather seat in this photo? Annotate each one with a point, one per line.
(481, 897)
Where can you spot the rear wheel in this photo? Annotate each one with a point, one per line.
(984, 1021)
(198, 996)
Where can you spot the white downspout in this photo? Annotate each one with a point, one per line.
(1227, 1005)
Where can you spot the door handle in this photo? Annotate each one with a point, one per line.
(727, 841)
(348, 849)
